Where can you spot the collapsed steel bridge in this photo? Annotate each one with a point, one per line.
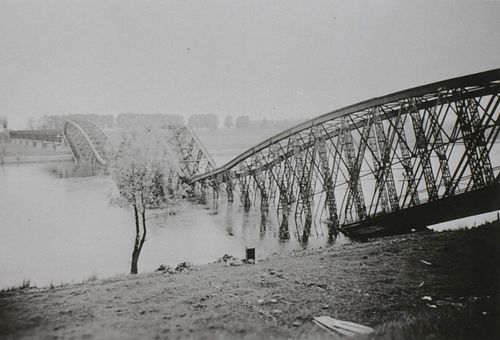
(91, 145)
(406, 160)
(87, 141)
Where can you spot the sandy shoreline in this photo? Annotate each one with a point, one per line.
(380, 283)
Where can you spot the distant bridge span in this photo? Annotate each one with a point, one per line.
(385, 165)
(87, 141)
(90, 144)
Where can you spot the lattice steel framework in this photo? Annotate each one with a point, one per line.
(192, 157)
(87, 141)
(377, 158)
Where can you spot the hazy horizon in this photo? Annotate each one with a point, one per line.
(277, 59)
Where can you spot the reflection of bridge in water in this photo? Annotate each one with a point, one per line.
(386, 165)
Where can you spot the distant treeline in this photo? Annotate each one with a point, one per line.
(108, 121)
(48, 122)
(241, 122)
(211, 121)
(156, 120)
(161, 121)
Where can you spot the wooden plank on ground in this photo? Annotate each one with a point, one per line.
(345, 328)
(333, 329)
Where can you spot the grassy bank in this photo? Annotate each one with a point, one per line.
(380, 283)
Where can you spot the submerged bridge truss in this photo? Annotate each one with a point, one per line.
(405, 160)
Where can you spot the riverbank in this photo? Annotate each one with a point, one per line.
(35, 159)
(439, 285)
(11, 153)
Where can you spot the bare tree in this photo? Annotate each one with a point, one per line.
(139, 167)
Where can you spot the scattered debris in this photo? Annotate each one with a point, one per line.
(421, 284)
(425, 262)
(273, 301)
(235, 262)
(230, 260)
(260, 301)
(164, 269)
(277, 311)
(296, 323)
(267, 314)
(308, 284)
(341, 327)
(319, 285)
(184, 267)
(428, 298)
(226, 258)
(325, 306)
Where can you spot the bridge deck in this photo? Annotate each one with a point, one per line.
(446, 209)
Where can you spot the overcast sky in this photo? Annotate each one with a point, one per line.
(262, 58)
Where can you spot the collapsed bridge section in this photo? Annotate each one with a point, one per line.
(185, 151)
(405, 160)
(87, 141)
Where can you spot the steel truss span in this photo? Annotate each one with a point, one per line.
(405, 160)
(87, 141)
(189, 153)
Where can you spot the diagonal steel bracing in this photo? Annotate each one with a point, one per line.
(192, 156)
(358, 167)
(87, 141)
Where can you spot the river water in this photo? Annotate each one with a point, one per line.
(58, 226)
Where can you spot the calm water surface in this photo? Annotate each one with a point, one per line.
(58, 228)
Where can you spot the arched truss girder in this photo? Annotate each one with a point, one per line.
(378, 157)
(87, 141)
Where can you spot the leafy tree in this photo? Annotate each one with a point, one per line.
(139, 166)
(228, 122)
(242, 122)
